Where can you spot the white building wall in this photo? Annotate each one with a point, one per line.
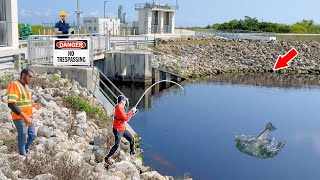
(156, 17)
(12, 25)
(102, 25)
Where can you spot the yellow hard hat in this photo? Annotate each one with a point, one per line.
(63, 13)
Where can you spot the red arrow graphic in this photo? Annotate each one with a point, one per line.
(283, 61)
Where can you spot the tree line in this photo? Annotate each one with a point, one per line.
(253, 24)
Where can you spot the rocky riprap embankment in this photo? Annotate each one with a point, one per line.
(69, 144)
(211, 56)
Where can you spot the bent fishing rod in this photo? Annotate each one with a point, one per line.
(154, 85)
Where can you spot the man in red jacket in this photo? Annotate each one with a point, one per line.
(120, 117)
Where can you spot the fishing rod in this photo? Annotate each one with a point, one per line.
(154, 85)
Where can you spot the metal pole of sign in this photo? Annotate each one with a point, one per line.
(91, 50)
(104, 9)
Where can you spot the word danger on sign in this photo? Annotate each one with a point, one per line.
(71, 52)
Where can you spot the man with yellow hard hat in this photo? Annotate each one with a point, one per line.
(62, 27)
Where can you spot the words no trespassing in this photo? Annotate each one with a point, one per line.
(71, 59)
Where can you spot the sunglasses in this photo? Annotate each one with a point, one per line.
(30, 76)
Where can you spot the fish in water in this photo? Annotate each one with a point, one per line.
(261, 146)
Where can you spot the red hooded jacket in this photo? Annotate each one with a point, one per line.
(120, 117)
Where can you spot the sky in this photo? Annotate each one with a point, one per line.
(190, 13)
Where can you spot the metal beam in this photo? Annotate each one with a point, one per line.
(6, 59)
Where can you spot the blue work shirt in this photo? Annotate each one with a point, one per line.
(62, 27)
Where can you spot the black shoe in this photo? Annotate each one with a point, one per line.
(109, 160)
(133, 153)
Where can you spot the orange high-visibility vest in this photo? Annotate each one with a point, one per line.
(18, 94)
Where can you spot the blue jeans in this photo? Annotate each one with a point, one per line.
(117, 139)
(22, 129)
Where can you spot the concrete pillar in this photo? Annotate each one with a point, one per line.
(172, 22)
(130, 67)
(136, 45)
(149, 21)
(161, 22)
(12, 23)
(168, 77)
(142, 20)
(17, 62)
(156, 89)
(155, 74)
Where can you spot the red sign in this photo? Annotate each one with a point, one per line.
(71, 44)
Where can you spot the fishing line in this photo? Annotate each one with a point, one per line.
(154, 85)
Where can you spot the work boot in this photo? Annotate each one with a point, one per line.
(109, 160)
(133, 154)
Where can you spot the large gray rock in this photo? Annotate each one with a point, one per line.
(2, 176)
(81, 117)
(45, 131)
(3, 92)
(99, 155)
(80, 132)
(41, 101)
(48, 97)
(153, 175)
(100, 140)
(45, 177)
(8, 125)
(8, 172)
(127, 168)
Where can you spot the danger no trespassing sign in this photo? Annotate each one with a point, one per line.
(71, 52)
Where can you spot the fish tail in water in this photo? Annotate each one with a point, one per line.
(270, 127)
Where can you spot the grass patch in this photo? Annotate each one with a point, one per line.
(83, 105)
(55, 78)
(140, 157)
(77, 103)
(299, 37)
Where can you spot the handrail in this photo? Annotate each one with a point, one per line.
(97, 75)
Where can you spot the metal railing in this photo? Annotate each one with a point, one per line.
(6, 59)
(237, 34)
(3, 34)
(156, 6)
(98, 78)
(40, 47)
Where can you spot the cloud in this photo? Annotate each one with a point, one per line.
(47, 13)
(25, 13)
(94, 13)
(38, 13)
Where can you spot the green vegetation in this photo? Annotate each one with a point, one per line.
(5, 78)
(35, 29)
(140, 157)
(83, 105)
(55, 78)
(252, 24)
(299, 37)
